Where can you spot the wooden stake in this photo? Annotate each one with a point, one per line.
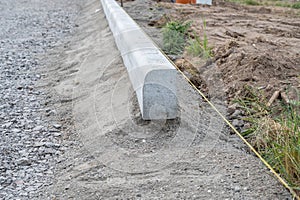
(272, 99)
(285, 97)
(121, 3)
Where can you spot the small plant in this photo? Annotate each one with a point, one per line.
(275, 133)
(252, 2)
(195, 46)
(279, 3)
(247, 2)
(174, 36)
(178, 26)
(200, 48)
(296, 5)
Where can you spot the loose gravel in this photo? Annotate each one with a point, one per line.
(33, 134)
(29, 141)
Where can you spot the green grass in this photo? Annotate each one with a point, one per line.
(296, 5)
(178, 26)
(173, 42)
(275, 133)
(285, 4)
(279, 3)
(251, 2)
(200, 48)
(246, 2)
(174, 34)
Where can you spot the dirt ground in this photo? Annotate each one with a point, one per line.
(252, 45)
(255, 46)
(110, 153)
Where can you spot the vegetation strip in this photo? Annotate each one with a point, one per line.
(278, 3)
(274, 131)
(181, 26)
(281, 150)
(239, 134)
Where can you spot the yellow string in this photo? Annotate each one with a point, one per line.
(281, 180)
(238, 133)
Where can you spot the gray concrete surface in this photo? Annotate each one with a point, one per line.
(152, 75)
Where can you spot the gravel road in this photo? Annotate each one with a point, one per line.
(29, 139)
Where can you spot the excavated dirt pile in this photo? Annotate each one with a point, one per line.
(252, 45)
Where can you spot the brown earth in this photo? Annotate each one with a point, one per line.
(252, 45)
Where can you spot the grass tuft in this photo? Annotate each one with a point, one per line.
(279, 3)
(200, 48)
(251, 2)
(275, 133)
(296, 5)
(174, 36)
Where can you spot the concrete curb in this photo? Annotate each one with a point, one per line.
(152, 75)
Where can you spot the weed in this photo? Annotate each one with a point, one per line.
(279, 3)
(178, 26)
(174, 36)
(251, 2)
(195, 46)
(173, 42)
(275, 133)
(247, 2)
(296, 5)
(200, 48)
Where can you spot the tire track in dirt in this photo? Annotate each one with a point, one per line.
(216, 165)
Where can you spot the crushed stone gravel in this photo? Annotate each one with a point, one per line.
(29, 141)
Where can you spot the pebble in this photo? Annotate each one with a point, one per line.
(16, 130)
(237, 189)
(28, 150)
(38, 128)
(236, 114)
(57, 126)
(23, 161)
(39, 144)
(232, 108)
(7, 125)
(235, 123)
(56, 134)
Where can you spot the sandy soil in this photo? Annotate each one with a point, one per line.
(112, 154)
(252, 45)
